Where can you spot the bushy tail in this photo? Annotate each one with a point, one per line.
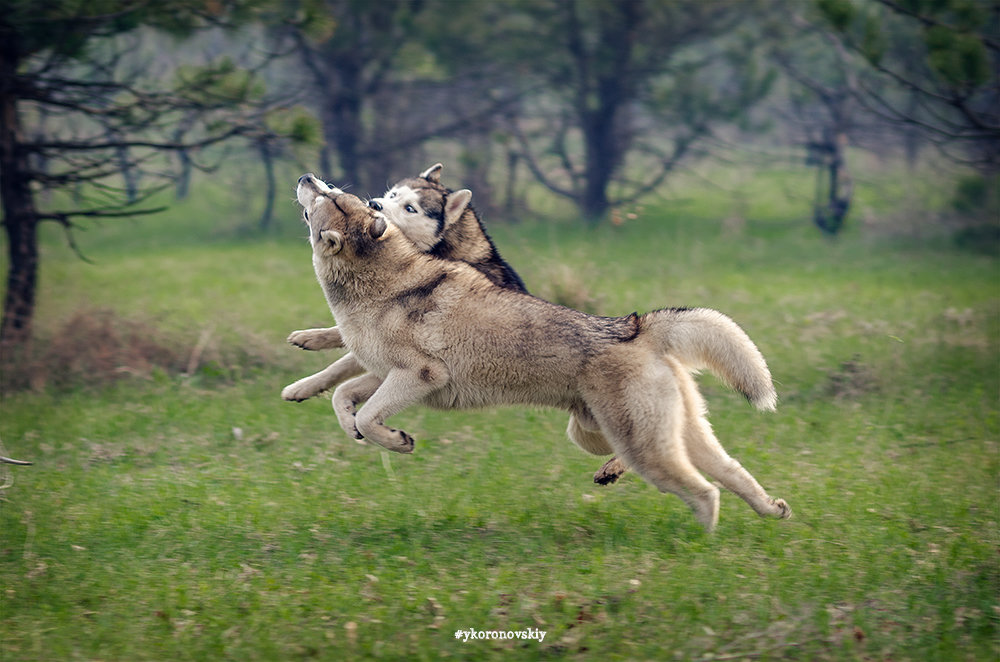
(705, 338)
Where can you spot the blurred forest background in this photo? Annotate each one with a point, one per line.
(824, 171)
(106, 104)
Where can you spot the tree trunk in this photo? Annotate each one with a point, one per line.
(603, 86)
(21, 228)
(829, 214)
(477, 156)
(600, 157)
(267, 158)
(184, 176)
(20, 221)
(511, 205)
(343, 126)
(129, 175)
(840, 185)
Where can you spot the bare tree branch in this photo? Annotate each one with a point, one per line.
(527, 154)
(667, 163)
(929, 22)
(89, 146)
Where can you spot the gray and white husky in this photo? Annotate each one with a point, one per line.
(439, 332)
(442, 223)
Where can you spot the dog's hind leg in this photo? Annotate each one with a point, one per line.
(317, 339)
(708, 455)
(585, 433)
(644, 427)
(343, 368)
(347, 397)
(667, 467)
(400, 389)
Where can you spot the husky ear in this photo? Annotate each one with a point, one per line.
(455, 205)
(334, 240)
(433, 174)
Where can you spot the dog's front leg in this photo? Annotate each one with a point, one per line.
(400, 389)
(316, 339)
(343, 368)
(347, 397)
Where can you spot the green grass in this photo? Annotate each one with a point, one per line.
(172, 517)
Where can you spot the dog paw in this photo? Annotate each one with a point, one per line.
(345, 411)
(783, 510)
(396, 441)
(612, 470)
(297, 392)
(310, 339)
(405, 444)
(388, 438)
(349, 425)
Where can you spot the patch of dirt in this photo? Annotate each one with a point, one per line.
(852, 380)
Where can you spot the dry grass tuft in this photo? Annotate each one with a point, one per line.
(561, 284)
(95, 347)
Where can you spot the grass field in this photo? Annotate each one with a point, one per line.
(184, 512)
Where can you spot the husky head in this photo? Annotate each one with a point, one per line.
(339, 223)
(422, 208)
(443, 223)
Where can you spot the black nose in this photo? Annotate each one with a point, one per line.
(374, 204)
(304, 177)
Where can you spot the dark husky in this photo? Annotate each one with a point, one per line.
(442, 223)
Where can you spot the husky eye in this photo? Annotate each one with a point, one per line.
(306, 214)
(410, 209)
